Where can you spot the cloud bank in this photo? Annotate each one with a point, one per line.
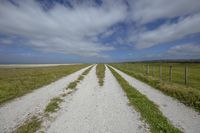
(93, 28)
(60, 29)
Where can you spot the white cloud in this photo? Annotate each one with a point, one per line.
(184, 51)
(61, 29)
(167, 32)
(146, 11)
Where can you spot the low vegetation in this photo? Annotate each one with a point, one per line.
(73, 84)
(100, 72)
(187, 95)
(148, 110)
(53, 105)
(15, 82)
(30, 126)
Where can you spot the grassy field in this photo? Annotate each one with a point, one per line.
(187, 94)
(15, 82)
(149, 111)
(100, 71)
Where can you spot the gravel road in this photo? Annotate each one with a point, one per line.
(180, 115)
(94, 109)
(16, 112)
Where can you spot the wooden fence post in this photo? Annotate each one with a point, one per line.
(160, 71)
(147, 70)
(186, 74)
(170, 73)
(153, 71)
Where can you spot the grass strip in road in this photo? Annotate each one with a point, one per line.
(15, 82)
(187, 95)
(73, 84)
(53, 105)
(148, 110)
(29, 126)
(100, 72)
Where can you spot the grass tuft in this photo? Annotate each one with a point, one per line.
(100, 72)
(30, 126)
(53, 105)
(73, 84)
(148, 110)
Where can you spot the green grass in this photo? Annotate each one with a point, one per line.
(187, 95)
(30, 126)
(100, 72)
(15, 82)
(53, 105)
(148, 110)
(73, 84)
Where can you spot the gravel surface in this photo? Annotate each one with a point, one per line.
(180, 115)
(16, 112)
(94, 109)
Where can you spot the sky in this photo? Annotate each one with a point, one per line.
(85, 31)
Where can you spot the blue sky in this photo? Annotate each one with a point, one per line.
(73, 31)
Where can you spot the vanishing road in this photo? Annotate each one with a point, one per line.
(91, 108)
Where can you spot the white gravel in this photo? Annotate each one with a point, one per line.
(16, 112)
(94, 109)
(180, 115)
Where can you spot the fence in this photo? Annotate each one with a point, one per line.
(182, 73)
(170, 72)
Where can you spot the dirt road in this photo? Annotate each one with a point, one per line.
(94, 109)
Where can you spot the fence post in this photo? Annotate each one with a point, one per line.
(186, 74)
(160, 71)
(153, 71)
(170, 73)
(147, 70)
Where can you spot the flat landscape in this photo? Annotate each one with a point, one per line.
(94, 98)
(99, 66)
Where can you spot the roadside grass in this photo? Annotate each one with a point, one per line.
(29, 126)
(187, 95)
(15, 82)
(53, 105)
(73, 84)
(100, 72)
(148, 110)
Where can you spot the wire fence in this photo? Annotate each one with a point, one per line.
(182, 73)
